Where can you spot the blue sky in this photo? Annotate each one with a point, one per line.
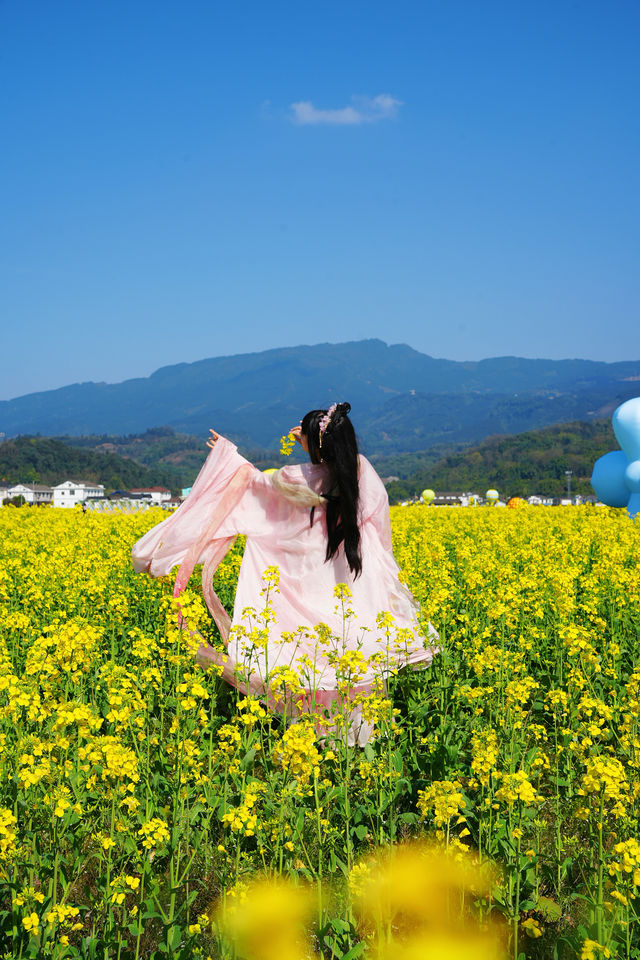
(189, 179)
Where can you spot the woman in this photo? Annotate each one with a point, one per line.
(322, 524)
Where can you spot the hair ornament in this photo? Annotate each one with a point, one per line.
(324, 422)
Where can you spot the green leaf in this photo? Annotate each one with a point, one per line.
(549, 908)
(356, 951)
(408, 817)
(341, 864)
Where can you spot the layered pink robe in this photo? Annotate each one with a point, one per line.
(232, 497)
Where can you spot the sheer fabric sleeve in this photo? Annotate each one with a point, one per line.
(192, 534)
(218, 488)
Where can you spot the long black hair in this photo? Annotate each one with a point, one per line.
(338, 448)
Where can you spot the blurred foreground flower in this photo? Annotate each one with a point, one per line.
(417, 903)
(271, 923)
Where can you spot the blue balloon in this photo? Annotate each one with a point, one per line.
(616, 476)
(607, 479)
(632, 476)
(626, 426)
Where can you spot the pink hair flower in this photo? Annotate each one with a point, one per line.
(324, 422)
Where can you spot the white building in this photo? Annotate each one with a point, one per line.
(34, 493)
(71, 492)
(156, 494)
(448, 499)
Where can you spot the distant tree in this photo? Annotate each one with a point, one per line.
(31, 475)
(398, 490)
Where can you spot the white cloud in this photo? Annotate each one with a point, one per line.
(362, 110)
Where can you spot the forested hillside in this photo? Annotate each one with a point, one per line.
(50, 461)
(520, 465)
(162, 448)
(158, 457)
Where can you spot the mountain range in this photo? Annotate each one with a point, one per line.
(534, 462)
(402, 400)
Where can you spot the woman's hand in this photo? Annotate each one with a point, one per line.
(300, 438)
(211, 442)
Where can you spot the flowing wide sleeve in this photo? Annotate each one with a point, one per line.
(218, 488)
(188, 536)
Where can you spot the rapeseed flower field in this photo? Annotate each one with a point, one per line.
(147, 809)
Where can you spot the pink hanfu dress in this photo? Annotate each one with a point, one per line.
(232, 497)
